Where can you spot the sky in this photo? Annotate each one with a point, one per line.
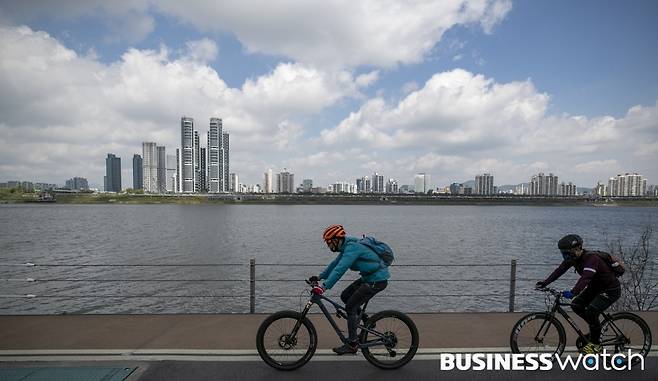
(334, 90)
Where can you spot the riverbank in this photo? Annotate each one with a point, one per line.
(327, 199)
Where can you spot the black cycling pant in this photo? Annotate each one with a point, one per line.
(589, 304)
(354, 296)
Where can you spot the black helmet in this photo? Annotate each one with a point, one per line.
(568, 242)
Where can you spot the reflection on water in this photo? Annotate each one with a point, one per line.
(288, 236)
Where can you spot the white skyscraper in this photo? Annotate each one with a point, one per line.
(235, 183)
(484, 184)
(150, 167)
(421, 183)
(171, 173)
(267, 182)
(215, 157)
(186, 178)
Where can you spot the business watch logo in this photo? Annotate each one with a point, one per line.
(540, 361)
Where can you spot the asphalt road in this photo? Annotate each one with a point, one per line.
(356, 370)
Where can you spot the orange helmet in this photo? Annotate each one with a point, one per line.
(333, 231)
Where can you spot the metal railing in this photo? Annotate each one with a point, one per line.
(253, 280)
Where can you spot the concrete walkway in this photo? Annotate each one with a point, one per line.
(234, 332)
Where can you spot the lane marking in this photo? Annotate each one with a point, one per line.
(212, 355)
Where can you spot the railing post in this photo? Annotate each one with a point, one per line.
(252, 286)
(512, 285)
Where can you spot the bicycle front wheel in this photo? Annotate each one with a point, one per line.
(395, 342)
(538, 333)
(626, 332)
(280, 346)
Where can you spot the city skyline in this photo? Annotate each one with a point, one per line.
(463, 87)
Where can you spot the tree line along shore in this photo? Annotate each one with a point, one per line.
(302, 199)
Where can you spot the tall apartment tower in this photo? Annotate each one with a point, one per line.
(421, 183)
(215, 157)
(484, 184)
(235, 183)
(161, 170)
(629, 184)
(543, 185)
(171, 173)
(138, 172)
(203, 170)
(112, 173)
(150, 167)
(225, 162)
(267, 182)
(186, 178)
(378, 183)
(197, 163)
(285, 182)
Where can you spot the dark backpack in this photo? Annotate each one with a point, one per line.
(383, 251)
(614, 263)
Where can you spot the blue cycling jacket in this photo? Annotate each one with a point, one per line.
(357, 257)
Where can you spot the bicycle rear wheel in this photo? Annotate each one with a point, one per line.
(624, 332)
(538, 333)
(397, 337)
(282, 349)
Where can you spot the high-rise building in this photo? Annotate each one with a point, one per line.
(392, 186)
(225, 163)
(177, 183)
(600, 189)
(203, 171)
(364, 185)
(307, 185)
(171, 173)
(484, 184)
(421, 183)
(378, 183)
(627, 185)
(567, 189)
(215, 157)
(112, 173)
(235, 183)
(161, 171)
(76, 183)
(285, 182)
(267, 181)
(197, 162)
(138, 172)
(543, 185)
(150, 167)
(187, 178)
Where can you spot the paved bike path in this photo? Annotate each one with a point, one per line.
(232, 332)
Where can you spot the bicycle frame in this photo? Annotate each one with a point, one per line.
(340, 312)
(557, 307)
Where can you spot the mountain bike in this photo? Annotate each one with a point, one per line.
(542, 332)
(286, 340)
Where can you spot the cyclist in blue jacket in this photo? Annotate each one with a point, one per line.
(357, 257)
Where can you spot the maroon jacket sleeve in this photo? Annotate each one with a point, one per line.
(590, 267)
(564, 266)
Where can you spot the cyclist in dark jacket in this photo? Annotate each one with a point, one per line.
(357, 257)
(596, 290)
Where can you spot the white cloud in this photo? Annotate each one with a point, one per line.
(459, 124)
(204, 50)
(340, 33)
(62, 112)
(367, 79)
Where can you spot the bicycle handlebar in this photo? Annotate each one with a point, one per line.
(549, 290)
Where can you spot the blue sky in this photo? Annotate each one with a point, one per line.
(556, 69)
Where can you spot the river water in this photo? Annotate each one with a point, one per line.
(205, 250)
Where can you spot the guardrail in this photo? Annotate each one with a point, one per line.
(252, 280)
